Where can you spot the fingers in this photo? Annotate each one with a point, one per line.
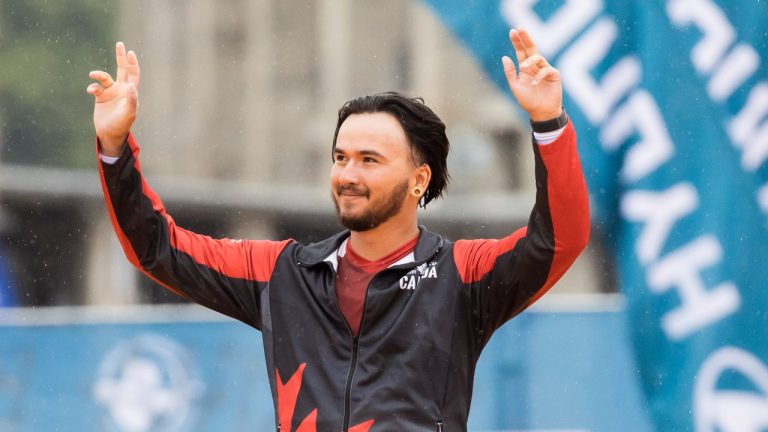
(509, 68)
(525, 38)
(103, 78)
(122, 62)
(543, 70)
(133, 94)
(134, 73)
(546, 74)
(523, 44)
(127, 65)
(521, 51)
(95, 89)
(530, 61)
(127, 72)
(533, 64)
(536, 60)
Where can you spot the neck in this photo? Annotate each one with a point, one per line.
(379, 242)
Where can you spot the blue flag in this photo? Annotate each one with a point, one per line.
(670, 100)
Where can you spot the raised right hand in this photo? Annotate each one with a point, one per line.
(116, 101)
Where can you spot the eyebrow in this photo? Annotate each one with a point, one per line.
(361, 152)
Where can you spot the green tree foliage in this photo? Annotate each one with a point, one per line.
(47, 48)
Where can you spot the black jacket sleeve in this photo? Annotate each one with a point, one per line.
(507, 275)
(225, 275)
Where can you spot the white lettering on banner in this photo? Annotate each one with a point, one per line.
(729, 71)
(730, 410)
(551, 35)
(727, 67)
(762, 198)
(657, 212)
(717, 32)
(699, 306)
(597, 99)
(749, 129)
(639, 114)
(742, 62)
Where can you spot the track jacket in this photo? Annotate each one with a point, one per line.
(425, 320)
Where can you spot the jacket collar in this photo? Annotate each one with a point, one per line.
(428, 245)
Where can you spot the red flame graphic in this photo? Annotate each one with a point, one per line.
(288, 393)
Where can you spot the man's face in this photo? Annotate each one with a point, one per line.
(372, 170)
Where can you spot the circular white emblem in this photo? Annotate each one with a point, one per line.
(148, 383)
(730, 410)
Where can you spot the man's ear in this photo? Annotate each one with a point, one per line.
(423, 175)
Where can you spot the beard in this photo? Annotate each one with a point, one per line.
(377, 212)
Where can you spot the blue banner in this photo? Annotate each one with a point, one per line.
(182, 369)
(132, 377)
(670, 100)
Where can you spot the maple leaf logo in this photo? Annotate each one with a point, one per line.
(288, 393)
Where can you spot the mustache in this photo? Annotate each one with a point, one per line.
(353, 190)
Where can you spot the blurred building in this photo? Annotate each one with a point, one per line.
(238, 108)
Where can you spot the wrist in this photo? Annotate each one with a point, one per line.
(549, 122)
(539, 116)
(111, 146)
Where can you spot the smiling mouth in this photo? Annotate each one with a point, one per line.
(351, 199)
(349, 193)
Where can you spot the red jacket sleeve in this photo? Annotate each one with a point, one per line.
(225, 275)
(507, 275)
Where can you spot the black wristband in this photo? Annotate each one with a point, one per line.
(551, 124)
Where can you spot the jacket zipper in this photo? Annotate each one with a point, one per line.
(350, 375)
(355, 346)
(348, 388)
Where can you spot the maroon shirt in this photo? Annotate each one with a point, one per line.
(354, 276)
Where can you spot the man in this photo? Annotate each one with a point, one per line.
(378, 328)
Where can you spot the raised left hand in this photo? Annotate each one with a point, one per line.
(537, 86)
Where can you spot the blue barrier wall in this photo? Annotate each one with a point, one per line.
(183, 369)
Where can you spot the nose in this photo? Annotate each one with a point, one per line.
(348, 174)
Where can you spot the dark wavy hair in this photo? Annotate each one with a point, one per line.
(423, 128)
